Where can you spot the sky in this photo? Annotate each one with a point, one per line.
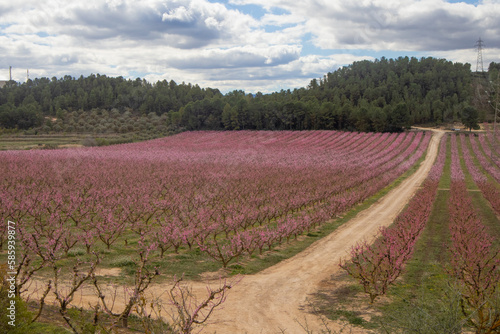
(250, 45)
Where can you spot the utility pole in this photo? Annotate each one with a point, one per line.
(479, 65)
(10, 73)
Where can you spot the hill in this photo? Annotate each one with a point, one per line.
(381, 95)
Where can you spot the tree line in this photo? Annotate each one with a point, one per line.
(380, 95)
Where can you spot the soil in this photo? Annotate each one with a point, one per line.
(276, 300)
(108, 271)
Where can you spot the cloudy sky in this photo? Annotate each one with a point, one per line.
(253, 45)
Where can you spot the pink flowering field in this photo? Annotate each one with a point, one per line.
(221, 196)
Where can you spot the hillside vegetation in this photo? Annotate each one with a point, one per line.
(383, 95)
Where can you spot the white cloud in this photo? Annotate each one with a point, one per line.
(410, 25)
(178, 14)
(210, 44)
(281, 20)
(242, 57)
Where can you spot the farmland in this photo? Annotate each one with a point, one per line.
(207, 201)
(223, 193)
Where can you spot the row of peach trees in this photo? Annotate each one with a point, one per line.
(475, 260)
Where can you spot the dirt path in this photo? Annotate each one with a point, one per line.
(273, 300)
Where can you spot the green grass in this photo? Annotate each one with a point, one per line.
(445, 181)
(43, 328)
(469, 182)
(430, 251)
(352, 317)
(50, 321)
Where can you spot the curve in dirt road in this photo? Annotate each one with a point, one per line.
(273, 300)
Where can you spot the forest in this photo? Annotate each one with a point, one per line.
(385, 95)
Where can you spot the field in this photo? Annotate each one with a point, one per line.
(17, 140)
(29, 142)
(224, 194)
(209, 204)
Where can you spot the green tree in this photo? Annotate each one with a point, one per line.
(399, 118)
(378, 119)
(226, 116)
(23, 117)
(360, 118)
(470, 118)
(235, 125)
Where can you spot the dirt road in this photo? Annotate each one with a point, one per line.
(273, 300)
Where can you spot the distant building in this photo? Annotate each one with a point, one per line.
(3, 83)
